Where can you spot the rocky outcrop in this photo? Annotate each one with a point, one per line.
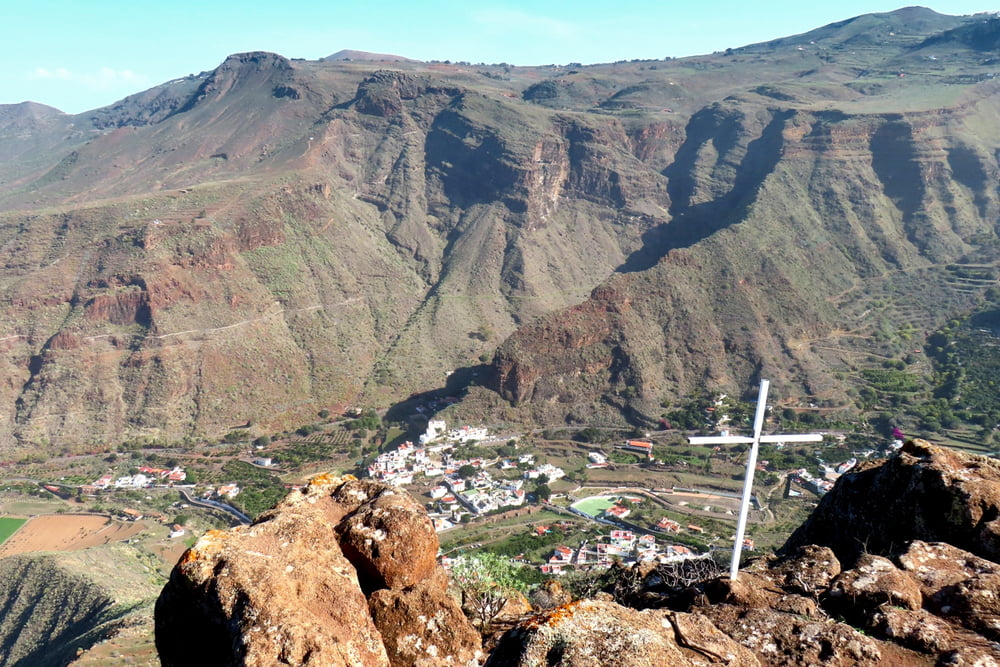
(342, 572)
(592, 632)
(915, 602)
(924, 493)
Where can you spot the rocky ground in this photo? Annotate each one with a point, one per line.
(897, 565)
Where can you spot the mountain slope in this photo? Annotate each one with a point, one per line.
(58, 605)
(274, 237)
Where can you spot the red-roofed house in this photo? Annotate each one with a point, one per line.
(668, 525)
(639, 446)
(617, 512)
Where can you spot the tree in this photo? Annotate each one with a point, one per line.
(466, 471)
(543, 492)
(486, 582)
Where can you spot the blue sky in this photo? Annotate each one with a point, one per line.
(77, 55)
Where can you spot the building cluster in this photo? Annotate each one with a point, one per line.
(457, 496)
(623, 545)
(146, 477)
(437, 431)
(550, 472)
(806, 479)
(831, 473)
(479, 494)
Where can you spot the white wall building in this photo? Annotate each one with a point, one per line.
(435, 428)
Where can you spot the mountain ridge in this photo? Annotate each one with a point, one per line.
(348, 232)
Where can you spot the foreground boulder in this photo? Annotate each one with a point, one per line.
(925, 492)
(598, 632)
(340, 573)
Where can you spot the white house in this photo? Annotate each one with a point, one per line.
(435, 428)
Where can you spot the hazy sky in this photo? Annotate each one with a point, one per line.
(82, 54)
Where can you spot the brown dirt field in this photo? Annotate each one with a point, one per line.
(169, 553)
(68, 532)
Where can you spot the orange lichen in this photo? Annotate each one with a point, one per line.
(552, 617)
(209, 543)
(326, 479)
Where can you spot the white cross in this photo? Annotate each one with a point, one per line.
(758, 424)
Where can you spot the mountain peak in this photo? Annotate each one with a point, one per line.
(350, 54)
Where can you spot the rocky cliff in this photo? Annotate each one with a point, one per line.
(275, 237)
(896, 566)
(341, 573)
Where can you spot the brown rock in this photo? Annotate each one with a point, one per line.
(960, 586)
(974, 603)
(282, 591)
(800, 605)
(751, 590)
(936, 565)
(807, 571)
(424, 625)
(550, 594)
(970, 656)
(784, 639)
(589, 633)
(390, 538)
(915, 628)
(276, 592)
(925, 493)
(874, 581)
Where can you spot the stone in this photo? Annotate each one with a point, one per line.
(389, 538)
(279, 591)
(284, 591)
(874, 581)
(937, 565)
(915, 628)
(590, 632)
(422, 625)
(809, 570)
(784, 639)
(924, 492)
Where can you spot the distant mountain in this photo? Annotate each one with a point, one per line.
(365, 56)
(275, 237)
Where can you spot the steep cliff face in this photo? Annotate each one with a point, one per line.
(344, 232)
(786, 228)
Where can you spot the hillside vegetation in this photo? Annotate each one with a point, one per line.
(252, 244)
(58, 605)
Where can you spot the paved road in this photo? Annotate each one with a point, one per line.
(229, 509)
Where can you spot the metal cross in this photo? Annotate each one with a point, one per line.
(758, 424)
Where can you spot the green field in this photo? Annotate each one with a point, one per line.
(595, 505)
(9, 526)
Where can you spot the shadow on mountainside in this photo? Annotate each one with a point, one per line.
(416, 410)
(690, 223)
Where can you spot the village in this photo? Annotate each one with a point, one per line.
(469, 477)
(462, 489)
